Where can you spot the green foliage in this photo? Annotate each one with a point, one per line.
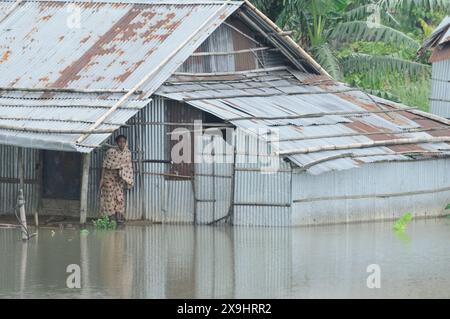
(402, 222)
(327, 59)
(383, 64)
(394, 87)
(363, 31)
(105, 223)
(368, 43)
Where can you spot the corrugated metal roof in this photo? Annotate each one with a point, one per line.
(306, 116)
(63, 112)
(91, 45)
(439, 38)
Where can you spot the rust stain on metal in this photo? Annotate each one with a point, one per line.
(362, 127)
(70, 73)
(46, 18)
(85, 39)
(44, 79)
(121, 78)
(5, 56)
(440, 54)
(167, 24)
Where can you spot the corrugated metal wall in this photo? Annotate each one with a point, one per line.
(440, 92)
(227, 39)
(361, 194)
(262, 195)
(213, 180)
(9, 174)
(154, 197)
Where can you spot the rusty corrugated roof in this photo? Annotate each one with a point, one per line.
(96, 45)
(311, 111)
(97, 49)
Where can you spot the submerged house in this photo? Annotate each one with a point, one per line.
(305, 149)
(439, 41)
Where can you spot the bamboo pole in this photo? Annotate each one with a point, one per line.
(208, 89)
(245, 73)
(21, 200)
(242, 33)
(167, 175)
(149, 75)
(53, 131)
(406, 131)
(213, 172)
(64, 90)
(233, 184)
(249, 77)
(266, 95)
(140, 163)
(384, 195)
(84, 188)
(353, 155)
(200, 54)
(321, 114)
(402, 141)
(221, 125)
(274, 40)
(302, 52)
(194, 192)
(16, 118)
(72, 106)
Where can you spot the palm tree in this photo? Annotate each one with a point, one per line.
(324, 26)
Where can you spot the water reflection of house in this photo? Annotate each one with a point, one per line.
(439, 41)
(344, 155)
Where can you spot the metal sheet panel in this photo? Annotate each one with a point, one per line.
(113, 47)
(9, 179)
(368, 193)
(213, 179)
(153, 197)
(301, 108)
(440, 90)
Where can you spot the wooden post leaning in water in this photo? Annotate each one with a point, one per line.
(84, 188)
(21, 199)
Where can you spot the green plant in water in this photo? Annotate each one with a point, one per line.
(84, 232)
(105, 223)
(402, 222)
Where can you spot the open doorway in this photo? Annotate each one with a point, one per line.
(61, 183)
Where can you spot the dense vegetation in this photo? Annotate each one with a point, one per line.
(370, 44)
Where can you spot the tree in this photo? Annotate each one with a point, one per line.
(326, 27)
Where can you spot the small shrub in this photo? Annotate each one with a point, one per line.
(105, 223)
(402, 222)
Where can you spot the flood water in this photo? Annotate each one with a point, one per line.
(220, 262)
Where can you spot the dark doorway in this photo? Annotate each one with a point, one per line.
(61, 175)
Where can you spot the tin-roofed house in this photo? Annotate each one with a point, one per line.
(439, 42)
(269, 138)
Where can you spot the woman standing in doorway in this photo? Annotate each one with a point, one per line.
(117, 174)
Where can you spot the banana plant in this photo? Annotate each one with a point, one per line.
(324, 26)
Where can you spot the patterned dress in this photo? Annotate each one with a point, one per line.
(117, 175)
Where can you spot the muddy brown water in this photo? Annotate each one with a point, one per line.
(221, 262)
